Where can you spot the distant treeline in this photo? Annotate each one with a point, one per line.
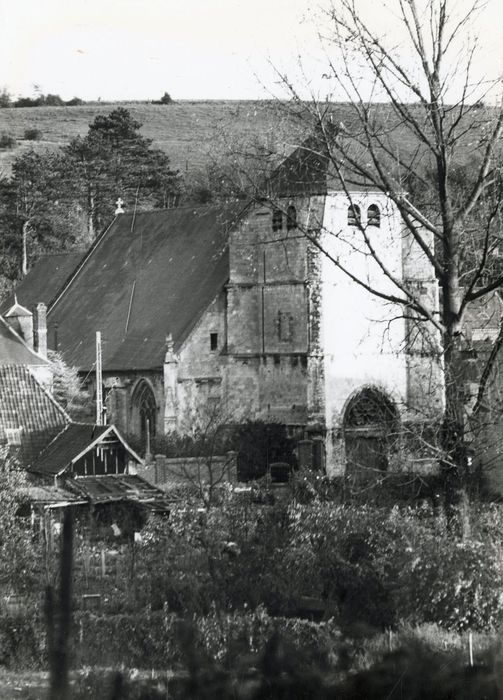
(49, 100)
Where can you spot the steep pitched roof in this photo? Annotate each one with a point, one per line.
(44, 280)
(71, 443)
(150, 274)
(74, 439)
(25, 404)
(13, 349)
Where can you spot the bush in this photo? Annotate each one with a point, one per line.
(74, 102)
(52, 101)
(166, 99)
(7, 141)
(382, 566)
(29, 102)
(5, 99)
(22, 642)
(32, 134)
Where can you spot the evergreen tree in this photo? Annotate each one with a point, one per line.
(114, 160)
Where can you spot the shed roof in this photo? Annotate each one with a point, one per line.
(120, 487)
(149, 275)
(70, 442)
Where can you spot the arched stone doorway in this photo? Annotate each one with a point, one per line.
(371, 424)
(144, 411)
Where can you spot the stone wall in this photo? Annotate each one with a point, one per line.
(118, 395)
(196, 471)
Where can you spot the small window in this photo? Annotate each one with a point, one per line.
(291, 218)
(213, 341)
(277, 220)
(373, 216)
(285, 326)
(354, 215)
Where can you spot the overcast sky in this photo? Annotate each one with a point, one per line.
(201, 49)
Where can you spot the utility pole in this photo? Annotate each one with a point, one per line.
(99, 382)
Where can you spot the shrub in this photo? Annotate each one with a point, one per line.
(5, 99)
(166, 99)
(7, 141)
(32, 134)
(382, 566)
(22, 642)
(52, 100)
(74, 102)
(28, 102)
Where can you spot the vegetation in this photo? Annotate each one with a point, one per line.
(411, 121)
(59, 200)
(7, 141)
(222, 599)
(32, 134)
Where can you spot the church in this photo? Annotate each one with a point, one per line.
(254, 305)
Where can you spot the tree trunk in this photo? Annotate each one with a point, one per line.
(453, 463)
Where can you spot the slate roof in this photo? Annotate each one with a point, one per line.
(43, 280)
(149, 275)
(25, 403)
(304, 172)
(13, 349)
(69, 443)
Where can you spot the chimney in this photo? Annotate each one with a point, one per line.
(40, 329)
(21, 321)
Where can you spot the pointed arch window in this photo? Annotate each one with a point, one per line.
(277, 220)
(291, 218)
(145, 411)
(354, 215)
(374, 216)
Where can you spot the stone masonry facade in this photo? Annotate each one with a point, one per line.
(291, 337)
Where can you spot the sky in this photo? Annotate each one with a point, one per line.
(193, 49)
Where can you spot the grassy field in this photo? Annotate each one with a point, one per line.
(191, 133)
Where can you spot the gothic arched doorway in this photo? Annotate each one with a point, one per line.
(144, 411)
(371, 425)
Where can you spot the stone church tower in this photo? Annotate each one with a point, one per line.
(310, 345)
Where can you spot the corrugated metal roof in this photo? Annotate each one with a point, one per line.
(120, 487)
(151, 275)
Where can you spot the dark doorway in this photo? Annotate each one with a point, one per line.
(370, 432)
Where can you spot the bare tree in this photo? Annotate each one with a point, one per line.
(406, 118)
(202, 446)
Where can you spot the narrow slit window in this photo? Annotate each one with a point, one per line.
(291, 218)
(277, 220)
(285, 326)
(373, 216)
(354, 215)
(213, 341)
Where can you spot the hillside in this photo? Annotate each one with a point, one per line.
(191, 133)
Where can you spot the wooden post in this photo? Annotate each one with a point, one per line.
(470, 647)
(103, 563)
